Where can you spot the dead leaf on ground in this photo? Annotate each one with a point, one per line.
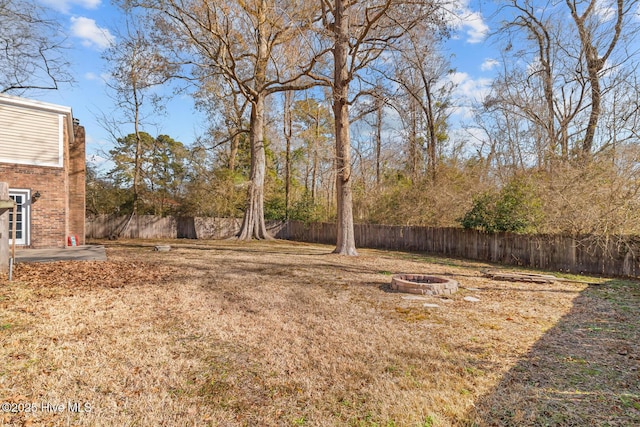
(83, 275)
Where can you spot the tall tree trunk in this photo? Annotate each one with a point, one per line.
(314, 167)
(345, 242)
(547, 77)
(432, 142)
(413, 141)
(565, 142)
(594, 115)
(595, 62)
(138, 154)
(314, 172)
(253, 226)
(378, 140)
(287, 131)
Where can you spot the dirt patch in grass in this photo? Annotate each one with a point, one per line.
(282, 333)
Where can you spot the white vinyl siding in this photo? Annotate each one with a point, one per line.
(30, 136)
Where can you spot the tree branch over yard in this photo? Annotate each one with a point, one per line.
(32, 50)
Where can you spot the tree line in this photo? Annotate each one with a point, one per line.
(341, 111)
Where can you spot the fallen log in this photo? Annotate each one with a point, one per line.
(523, 276)
(518, 276)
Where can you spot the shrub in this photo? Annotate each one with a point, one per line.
(516, 208)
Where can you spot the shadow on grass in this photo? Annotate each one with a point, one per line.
(582, 372)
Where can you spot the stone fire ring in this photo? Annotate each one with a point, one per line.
(423, 285)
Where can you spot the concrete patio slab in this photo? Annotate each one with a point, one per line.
(77, 253)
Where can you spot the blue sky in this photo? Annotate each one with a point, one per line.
(91, 24)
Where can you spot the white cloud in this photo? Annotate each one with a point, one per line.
(475, 89)
(468, 91)
(66, 5)
(91, 35)
(463, 19)
(489, 64)
(475, 26)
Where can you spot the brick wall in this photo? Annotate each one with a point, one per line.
(48, 224)
(60, 211)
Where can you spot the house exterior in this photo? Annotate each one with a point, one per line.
(42, 157)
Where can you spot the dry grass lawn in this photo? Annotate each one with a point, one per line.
(287, 334)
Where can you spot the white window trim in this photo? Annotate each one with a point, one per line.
(26, 215)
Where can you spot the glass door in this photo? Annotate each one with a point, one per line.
(21, 221)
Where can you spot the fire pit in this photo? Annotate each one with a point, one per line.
(423, 285)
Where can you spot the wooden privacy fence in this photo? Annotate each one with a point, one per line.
(583, 254)
(156, 227)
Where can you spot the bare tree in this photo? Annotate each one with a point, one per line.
(558, 86)
(539, 27)
(32, 49)
(539, 85)
(258, 46)
(421, 73)
(598, 42)
(412, 122)
(314, 126)
(136, 68)
(360, 33)
(287, 131)
(374, 104)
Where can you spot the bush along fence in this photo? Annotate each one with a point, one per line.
(613, 256)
